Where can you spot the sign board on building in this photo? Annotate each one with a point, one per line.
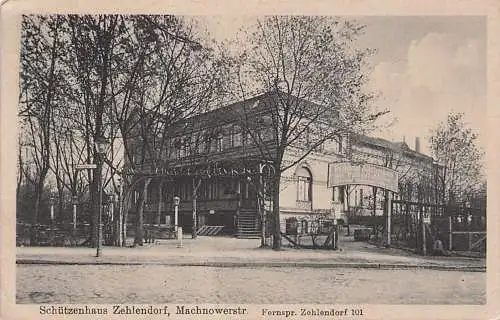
(346, 173)
(86, 166)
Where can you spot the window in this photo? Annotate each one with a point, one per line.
(196, 144)
(237, 140)
(178, 150)
(212, 144)
(227, 140)
(186, 145)
(266, 134)
(248, 139)
(228, 186)
(136, 155)
(320, 147)
(213, 189)
(342, 194)
(219, 142)
(304, 186)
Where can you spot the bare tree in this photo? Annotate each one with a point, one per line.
(41, 49)
(455, 146)
(172, 77)
(314, 78)
(126, 78)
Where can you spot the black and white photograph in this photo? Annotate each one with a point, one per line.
(196, 165)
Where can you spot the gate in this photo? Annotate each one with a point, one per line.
(418, 225)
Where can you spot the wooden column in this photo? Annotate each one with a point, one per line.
(424, 242)
(389, 213)
(348, 209)
(238, 205)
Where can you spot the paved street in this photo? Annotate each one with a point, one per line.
(224, 269)
(169, 284)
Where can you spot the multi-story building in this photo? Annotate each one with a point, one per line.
(212, 154)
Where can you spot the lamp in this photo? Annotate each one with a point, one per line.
(177, 201)
(52, 202)
(101, 145)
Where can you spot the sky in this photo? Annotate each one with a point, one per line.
(424, 68)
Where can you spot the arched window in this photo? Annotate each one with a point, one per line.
(304, 186)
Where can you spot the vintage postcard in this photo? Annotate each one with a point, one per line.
(249, 160)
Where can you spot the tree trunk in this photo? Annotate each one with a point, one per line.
(263, 220)
(276, 213)
(60, 204)
(139, 227)
(36, 213)
(38, 203)
(196, 187)
(94, 212)
(195, 224)
(160, 198)
(125, 209)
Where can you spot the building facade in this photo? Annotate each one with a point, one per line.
(214, 165)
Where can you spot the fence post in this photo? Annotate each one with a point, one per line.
(424, 242)
(450, 233)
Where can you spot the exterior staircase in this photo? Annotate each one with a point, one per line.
(248, 225)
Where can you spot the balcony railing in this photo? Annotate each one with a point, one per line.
(304, 205)
(202, 205)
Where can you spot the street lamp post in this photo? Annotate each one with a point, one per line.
(52, 201)
(75, 203)
(178, 231)
(111, 216)
(120, 212)
(100, 144)
(177, 201)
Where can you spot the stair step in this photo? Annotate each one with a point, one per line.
(248, 236)
(248, 223)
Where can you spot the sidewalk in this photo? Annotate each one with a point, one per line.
(233, 252)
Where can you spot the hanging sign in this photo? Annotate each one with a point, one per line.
(346, 173)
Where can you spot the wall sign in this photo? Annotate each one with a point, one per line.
(346, 173)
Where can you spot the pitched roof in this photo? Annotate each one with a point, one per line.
(399, 146)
